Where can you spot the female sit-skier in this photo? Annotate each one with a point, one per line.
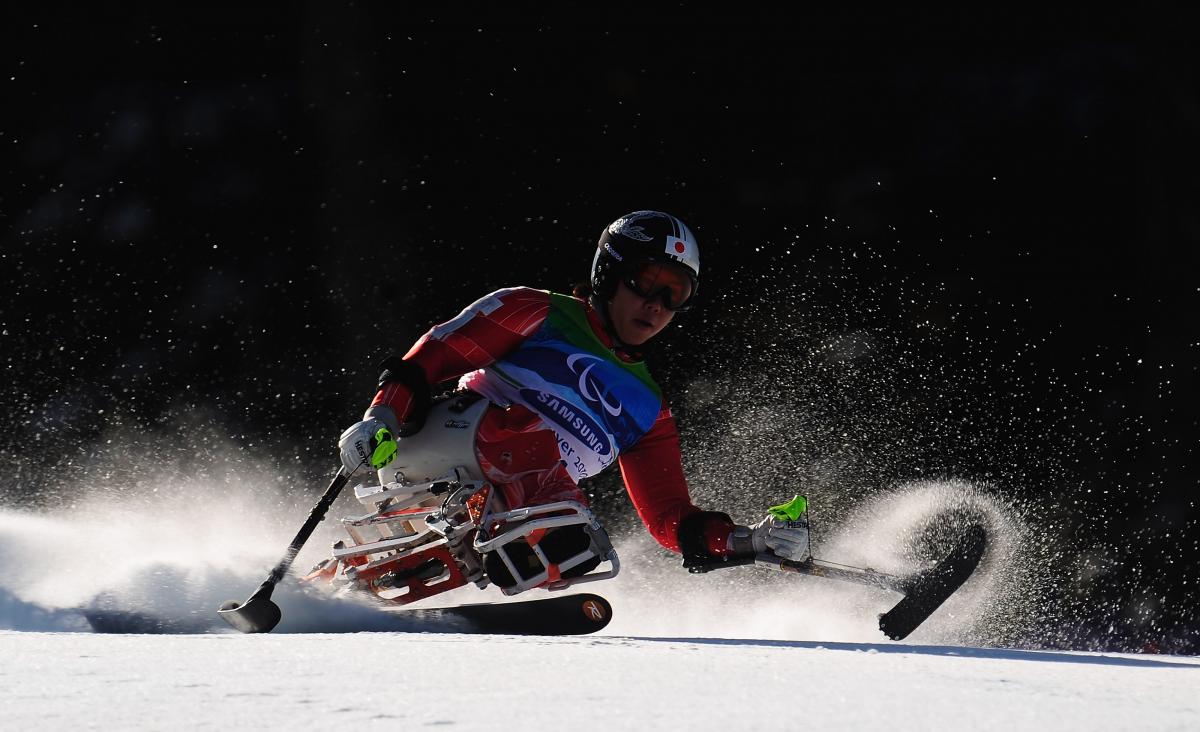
(570, 395)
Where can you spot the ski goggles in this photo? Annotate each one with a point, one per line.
(670, 283)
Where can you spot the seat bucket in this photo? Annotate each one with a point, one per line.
(446, 442)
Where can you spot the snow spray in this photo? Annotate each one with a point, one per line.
(169, 546)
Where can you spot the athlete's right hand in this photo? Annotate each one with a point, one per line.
(369, 442)
(785, 538)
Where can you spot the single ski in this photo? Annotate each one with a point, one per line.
(560, 615)
(563, 615)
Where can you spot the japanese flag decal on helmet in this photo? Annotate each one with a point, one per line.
(684, 252)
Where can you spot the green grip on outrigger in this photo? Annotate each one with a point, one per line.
(790, 511)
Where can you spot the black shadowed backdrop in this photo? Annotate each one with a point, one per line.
(953, 246)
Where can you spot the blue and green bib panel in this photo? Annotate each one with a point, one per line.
(596, 404)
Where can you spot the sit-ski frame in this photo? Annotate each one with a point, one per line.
(407, 558)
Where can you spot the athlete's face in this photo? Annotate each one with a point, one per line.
(635, 318)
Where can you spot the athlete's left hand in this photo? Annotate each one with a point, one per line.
(369, 442)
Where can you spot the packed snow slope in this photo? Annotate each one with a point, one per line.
(407, 680)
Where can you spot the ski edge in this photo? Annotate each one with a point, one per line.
(579, 614)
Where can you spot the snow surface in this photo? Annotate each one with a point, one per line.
(397, 680)
(725, 650)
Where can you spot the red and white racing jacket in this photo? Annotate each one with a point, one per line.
(565, 404)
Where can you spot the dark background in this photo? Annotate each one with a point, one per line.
(960, 245)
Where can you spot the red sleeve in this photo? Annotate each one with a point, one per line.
(653, 473)
(484, 332)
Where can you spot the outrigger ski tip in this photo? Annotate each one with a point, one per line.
(924, 592)
(927, 590)
(258, 614)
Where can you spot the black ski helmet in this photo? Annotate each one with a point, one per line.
(639, 238)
